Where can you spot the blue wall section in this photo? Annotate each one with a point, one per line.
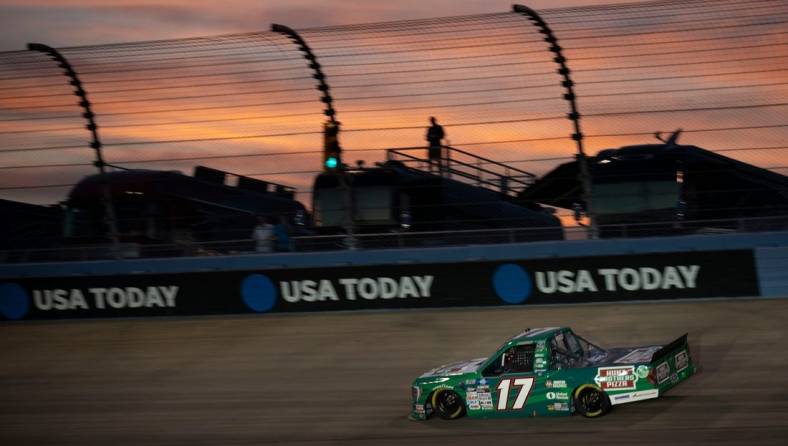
(689, 267)
(536, 250)
(772, 267)
(770, 252)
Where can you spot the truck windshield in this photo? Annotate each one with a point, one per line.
(590, 349)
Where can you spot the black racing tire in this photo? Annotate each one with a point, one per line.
(590, 401)
(447, 404)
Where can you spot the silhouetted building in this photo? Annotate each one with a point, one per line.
(395, 197)
(167, 206)
(26, 226)
(669, 188)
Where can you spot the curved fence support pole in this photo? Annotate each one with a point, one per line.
(574, 115)
(331, 129)
(68, 71)
(331, 146)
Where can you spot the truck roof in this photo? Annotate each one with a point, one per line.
(533, 334)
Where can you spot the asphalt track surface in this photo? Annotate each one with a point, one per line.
(343, 378)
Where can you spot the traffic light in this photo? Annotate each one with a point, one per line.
(332, 153)
(331, 162)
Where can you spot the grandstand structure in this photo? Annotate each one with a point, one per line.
(519, 92)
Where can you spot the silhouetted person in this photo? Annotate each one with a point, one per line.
(434, 135)
(281, 235)
(262, 235)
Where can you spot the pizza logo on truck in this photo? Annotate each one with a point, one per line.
(616, 378)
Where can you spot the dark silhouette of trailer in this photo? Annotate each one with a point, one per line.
(394, 197)
(669, 188)
(29, 226)
(165, 207)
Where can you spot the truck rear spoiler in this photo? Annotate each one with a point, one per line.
(666, 350)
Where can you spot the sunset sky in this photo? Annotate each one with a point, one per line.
(716, 69)
(84, 22)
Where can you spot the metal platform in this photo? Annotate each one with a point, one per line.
(465, 166)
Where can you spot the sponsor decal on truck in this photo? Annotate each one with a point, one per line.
(616, 378)
(681, 360)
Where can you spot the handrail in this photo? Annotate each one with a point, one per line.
(520, 178)
(401, 150)
(460, 172)
(479, 180)
(489, 161)
(482, 169)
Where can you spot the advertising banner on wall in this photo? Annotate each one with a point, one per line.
(521, 282)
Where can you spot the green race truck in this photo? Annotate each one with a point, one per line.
(548, 372)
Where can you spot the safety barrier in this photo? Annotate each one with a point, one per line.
(729, 265)
(772, 269)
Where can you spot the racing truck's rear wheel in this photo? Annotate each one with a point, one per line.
(590, 401)
(447, 404)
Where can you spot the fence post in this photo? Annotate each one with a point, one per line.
(106, 190)
(574, 115)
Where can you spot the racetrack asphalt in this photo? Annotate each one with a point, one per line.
(344, 378)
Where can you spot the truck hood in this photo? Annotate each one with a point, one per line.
(455, 368)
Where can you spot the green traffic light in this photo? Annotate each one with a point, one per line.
(332, 162)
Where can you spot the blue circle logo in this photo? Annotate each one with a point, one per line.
(14, 301)
(512, 283)
(258, 293)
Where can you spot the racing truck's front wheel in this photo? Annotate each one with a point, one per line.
(590, 401)
(447, 404)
